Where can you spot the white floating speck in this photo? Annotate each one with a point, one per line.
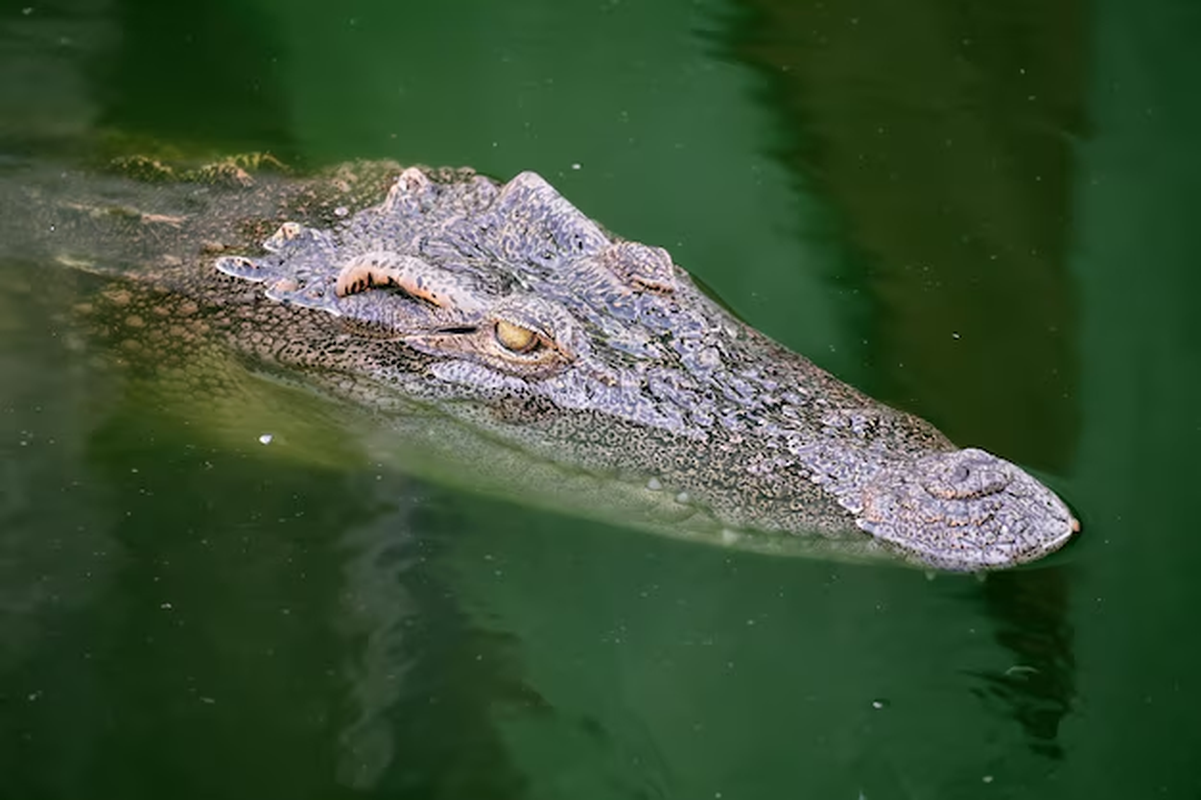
(266, 438)
(575, 166)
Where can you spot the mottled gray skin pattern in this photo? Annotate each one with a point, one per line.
(566, 359)
(622, 365)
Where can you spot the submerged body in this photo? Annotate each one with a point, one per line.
(547, 353)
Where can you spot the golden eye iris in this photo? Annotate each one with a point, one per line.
(516, 338)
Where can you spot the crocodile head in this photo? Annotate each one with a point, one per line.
(506, 296)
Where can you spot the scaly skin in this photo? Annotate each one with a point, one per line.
(501, 328)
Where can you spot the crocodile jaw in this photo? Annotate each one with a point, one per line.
(964, 511)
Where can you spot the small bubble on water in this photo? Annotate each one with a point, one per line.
(266, 438)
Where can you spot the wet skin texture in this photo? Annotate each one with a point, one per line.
(504, 308)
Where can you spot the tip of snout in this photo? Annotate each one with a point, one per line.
(965, 511)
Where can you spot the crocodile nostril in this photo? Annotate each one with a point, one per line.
(967, 474)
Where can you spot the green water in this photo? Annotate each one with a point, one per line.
(982, 212)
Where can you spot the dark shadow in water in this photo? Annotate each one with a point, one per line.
(943, 134)
(47, 54)
(205, 73)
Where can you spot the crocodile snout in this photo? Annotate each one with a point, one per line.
(965, 511)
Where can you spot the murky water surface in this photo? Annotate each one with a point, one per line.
(983, 213)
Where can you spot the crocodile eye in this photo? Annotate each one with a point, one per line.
(516, 338)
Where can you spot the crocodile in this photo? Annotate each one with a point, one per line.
(534, 349)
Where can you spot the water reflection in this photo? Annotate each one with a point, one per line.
(426, 684)
(945, 135)
(1031, 612)
(55, 551)
(216, 79)
(169, 591)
